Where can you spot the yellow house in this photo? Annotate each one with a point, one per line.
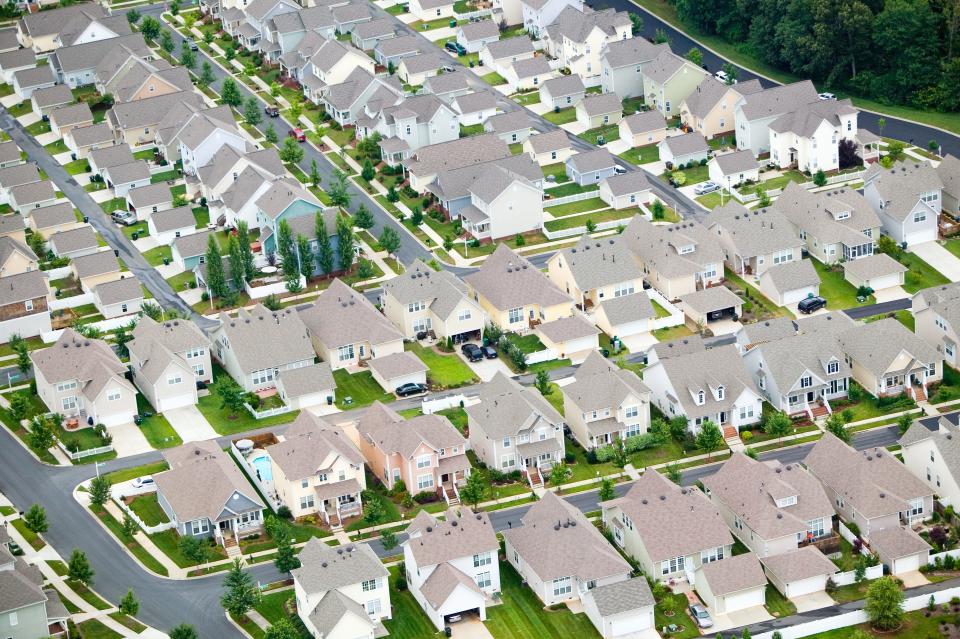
(709, 108)
(596, 270)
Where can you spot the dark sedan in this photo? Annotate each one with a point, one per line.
(410, 388)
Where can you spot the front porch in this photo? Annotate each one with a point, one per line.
(338, 500)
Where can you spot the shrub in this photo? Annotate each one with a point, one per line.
(283, 512)
(746, 435)
(425, 497)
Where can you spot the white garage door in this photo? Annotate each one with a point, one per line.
(742, 600)
(178, 401)
(805, 586)
(888, 281)
(792, 297)
(906, 564)
(626, 624)
(918, 237)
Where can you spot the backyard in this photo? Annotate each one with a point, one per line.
(359, 388)
(446, 370)
(838, 292)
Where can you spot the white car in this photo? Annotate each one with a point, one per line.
(706, 187)
(826, 96)
(146, 481)
(723, 77)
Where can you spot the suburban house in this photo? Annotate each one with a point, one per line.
(196, 139)
(415, 70)
(498, 55)
(346, 101)
(102, 159)
(643, 128)
(472, 36)
(233, 182)
(572, 337)
(622, 62)
(166, 226)
(227, 508)
(930, 454)
(560, 93)
(733, 169)
(167, 360)
(365, 36)
(888, 359)
(16, 257)
(12, 227)
(44, 101)
(801, 373)
(394, 370)
(620, 609)
(27, 610)
(415, 122)
(599, 110)
(577, 36)
(10, 154)
(605, 403)
(538, 14)
(317, 470)
(13, 61)
(753, 240)
(138, 79)
(869, 488)
(119, 297)
(83, 64)
(82, 379)
(426, 452)
(591, 167)
(548, 148)
(733, 585)
(345, 328)
(754, 114)
(84, 139)
(137, 123)
(511, 127)
(427, 10)
(287, 200)
(788, 283)
(68, 118)
(190, 251)
(527, 74)
(52, 219)
(800, 572)
(906, 198)
(669, 530)
(474, 107)
(949, 172)
(682, 150)
(124, 177)
(560, 554)
(64, 26)
(677, 259)
(422, 299)
(448, 85)
(901, 549)
(773, 508)
(626, 190)
(937, 321)
(709, 109)
(150, 199)
(95, 268)
(710, 385)
(595, 270)
(876, 272)
(668, 80)
(626, 316)
(423, 167)
(26, 81)
(24, 309)
(78, 241)
(514, 294)
(27, 197)
(258, 345)
(15, 176)
(452, 565)
(808, 136)
(837, 225)
(515, 428)
(392, 50)
(343, 592)
(287, 30)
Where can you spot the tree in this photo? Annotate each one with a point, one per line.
(23, 356)
(20, 406)
(129, 526)
(820, 178)
(305, 255)
(345, 244)
(559, 474)
(606, 489)
(230, 94)
(229, 53)
(314, 173)
(216, 279)
(339, 189)
(166, 41)
(243, 239)
(777, 424)
(240, 593)
(904, 422)
(324, 254)
(150, 28)
(475, 488)
(388, 539)
(658, 210)
(251, 111)
(237, 275)
(296, 108)
(542, 383)
(847, 154)
(286, 559)
(363, 218)
(368, 172)
(129, 604)
(677, 426)
(287, 250)
(270, 134)
(660, 37)
(282, 629)
(895, 151)
(78, 568)
(709, 438)
(35, 519)
(41, 434)
(99, 490)
(416, 216)
(884, 606)
(183, 631)
(290, 151)
(673, 473)
(133, 17)
(208, 36)
(187, 57)
(731, 72)
(374, 511)
(695, 55)
(636, 24)
(837, 427)
(763, 200)
(175, 7)
(389, 240)
(193, 548)
(232, 396)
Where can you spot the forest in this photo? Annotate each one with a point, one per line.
(903, 52)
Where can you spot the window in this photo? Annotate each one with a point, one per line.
(464, 314)
(306, 501)
(817, 528)
(631, 412)
(198, 370)
(720, 392)
(174, 379)
(833, 367)
(632, 431)
(701, 398)
(369, 584)
(561, 586)
(482, 559)
(624, 288)
(671, 566)
(345, 353)
(806, 382)
(415, 306)
(69, 403)
(746, 412)
(113, 395)
(13, 619)
(506, 442)
(916, 507)
(423, 461)
(714, 554)
(28, 305)
(424, 481)
(515, 315)
(508, 461)
(65, 386)
(200, 526)
(931, 371)
(483, 580)
(373, 607)
(786, 255)
(196, 352)
(304, 483)
(919, 216)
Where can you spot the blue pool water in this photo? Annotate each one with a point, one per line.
(262, 464)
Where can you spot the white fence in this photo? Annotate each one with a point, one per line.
(675, 318)
(479, 13)
(434, 404)
(566, 199)
(147, 529)
(59, 273)
(846, 533)
(745, 198)
(277, 288)
(850, 576)
(59, 303)
(251, 474)
(943, 555)
(269, 412)
(546, 355)
(103, 325)
(82, 454)
(577, 231)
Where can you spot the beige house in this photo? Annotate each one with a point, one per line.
(605, 403)
(137, 123)
(16, 257)
(516, 295)
(83, 380)
(676, 259)
(643, 128)
(548, 148)
(426, 300)
(596, 270)
(119, 297)
(599, 110)
(709, 108)
(167, 360)
(317, 470)
(53, 219)
(12, 226)
(937, 320)
(67, 118)
(83, 140)
(426, 453)
(571, 337)
(626, 190)
(95, 269)
(754, 240)
(668, 80)
(346, 329)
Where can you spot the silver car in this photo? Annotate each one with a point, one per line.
(706, 187)
(701, 616)
(126, 218)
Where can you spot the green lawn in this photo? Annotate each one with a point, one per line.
(570, 188)
(563, 116)
(165, 176)
(527, 344)
(119, 476)
(409, 621)
(128, 622)
(712, 200)
(526, 99)
(32, 538)
(226, 424)
(132, 545)
(446, 371)
(88, 595)
(77, 167)
(779, 182)
(698, 173)
(580, 206)
(672, 333)
(156, 428)
(360, 387)
(494, 79)
(920, 274)
(148, 509)
(522, 614)
(93, 629)
(533, 369)
(678, 605)
(609, 133)
(642, 154)
(838, 292)
(949, 387)
(457, 417)
(605, 215)
(155, 256)
(167, 542)
(471, 129)
(558, 171)
(181, 281)
(778, 605)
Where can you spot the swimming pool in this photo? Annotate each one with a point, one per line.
(261, 464)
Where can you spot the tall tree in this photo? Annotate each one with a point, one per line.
(240, 593)
(306, 255)
(709, 438)
(243, 238)
(99, 490)
(475, 489)
(129, 604)
(216, 279)
(389, 240)
(270, 135)
(232, 396)
(187, 57)
(314, 173)
(150, 28)
(777, 424)
(290, 151)
(345, 244)
(237, 274)
(339, 191)
(35, 519)
(78, 568)
(282, 629)
(251, 111)
(324, 249)
(166, 41)
(837, 427)
(133, 17)
(286, 559)
(230, 94)
(884, 605)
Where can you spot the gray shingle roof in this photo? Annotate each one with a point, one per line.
(567, 328)
(632, 51)
(805, 119)
(55, 215)
(778, 100)
(76, 239)
(627, 308)
(37, 76)
(9, 151)
(595, 263)
(441, 290)
(711, 299)
(311, 444)
(795, 565)
(173, 219)
(877, 345)
(23, 286)
(457, 153)
(20, 58)
(398, 46)
(601, 104)
(117, 291)
(151, 111)
(645, 121)
(550, 141)
(323, 567)
(686, 144)
(307, 380)
(342, 316)
(530, 67)
(657, 246)
(72, 115)
(736, 162)
(90, 54)
(873, 266)
(507, 281)
(397, 365)
(55, 95)
(389, 433)
(446, 83)
(901, 186)
(706, 370)
(96, 264)
(577, 25)
(265, 339)
(791, 276)
(597, 160)
(622, 596)
(895, 542)
(150, 195)
(509, 47)
(111, 156)
(505, 405)
(474, 102)
(599, 384)
(94, 134)
(33, 192)
(127, 173)
(509, 122)
(19, 174)
(564, 85)
(473, 31)
(817, 213)
(628, 183)
(192, 245)
(949, 172)
(754, 232)
(734, 574)
(460, 535)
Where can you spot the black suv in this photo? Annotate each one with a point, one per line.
(811, 304)
(472, 352)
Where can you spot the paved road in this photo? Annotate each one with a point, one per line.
(680, 42)
(861, 312)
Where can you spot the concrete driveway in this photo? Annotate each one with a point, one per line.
(190, 424)
(487, 368)
(939, 258)
(813, 601)
(470, 628)
(128, 440)
(638, 343)
(890, 294)
(746, 617)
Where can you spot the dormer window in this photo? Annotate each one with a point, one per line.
(833, 367)
(806, 381)
(701, 398)
(842, 215)
(686, 249)
(721, 392)
(787, 501)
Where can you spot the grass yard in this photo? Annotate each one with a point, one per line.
(672, 333)
(155, 256)
(447, 371)
(563, 116)
(93, 629)
(606, 215)
(494, 79)
(570, 188)
(181, 281)
(558, 171)
(409, 621)
(522, 615)
(457, 417)
(695, 174)
(77, 167)
(526, 99)
(548, 366)
(361, 388)
(527, 344)
(156, 428)
(572, 208)
(779, 182)
(678, 605)
(226, 424)
(167, 542)
(148, 509)
(838, 292)
(466, 130)
(31, 537)
(609, 133)
(642, 154)
(88, 595)
(712, 200)
(120, 476)
(778, 605)
(128, 622)
(138, 551)
(919, 275)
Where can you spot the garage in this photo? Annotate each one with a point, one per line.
(620, 609)
(900, 549)
(177, 401)
(731, 584)
(711, 305)
(625, 315)
(878, 272)
(800, 572)
(395, 370)
(786, 284)
(570, 337)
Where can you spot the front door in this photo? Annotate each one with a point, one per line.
(810, 396)
(723, 417)
(225, 525)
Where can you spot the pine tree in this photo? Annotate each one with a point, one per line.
(286, 559)
(363, 218)
(99, 490)
(270, 135)
(251, 111)
(345, 244)
(243, 238)
(78, 568)
(324, 249)
(240, 593)
(237, 273)
(216, 279)
(306, 256)
(129, 604)
(339, 189)
(314, 173)
(606, 490)
(286, 249)
(166, 41)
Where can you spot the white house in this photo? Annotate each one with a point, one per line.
(906, 198)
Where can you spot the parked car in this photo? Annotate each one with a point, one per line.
(826, 96)
(811, 304)
(701, 616)
(472, 352)
(455, 47)
(411, 388)
(723, 77)
(272, 111)
(297, 134)
(193, 46)
(144, 481)
(706, 187)
(489, 352)
(619, 170)
(15, 549)
(126, 218)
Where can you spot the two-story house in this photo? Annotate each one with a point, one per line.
(258, 344)
(754, 240)
(906, 198)
(605, 403)
(930, 453)
(197, 139)
(288, 30)
(710, 106)
(935, 311)
(167, 360)
(668, 80)
(707, 385)
(596, 270)
(808, 136)
(423, 167)
(83, 379)
(579, 558)
(258, 14)
(27, 609)
(452, 565)
(772, 508)
(343, 592)
(514, 294)
(346, 329)
(670, 530)
(426, 453)
(537, 15)
(232, 182)
(622, 62)
(515, 428)
(316, 469)
(756, 111)
(426, 300)
(578, 35)
(405, 127)
(285, 201)
(346, 101)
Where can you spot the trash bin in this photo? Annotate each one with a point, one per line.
(453, 24)
(166, 261)
(135, 235)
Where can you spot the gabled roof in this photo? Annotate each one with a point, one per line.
(627, 183)
(72, 115)
(396, 365)
(118, 291)
(598, 262)
(399, 45)
(93, 134)
(51, 216)
(622, 596)
(267, 162)
(53, 21)
(806, 119)
(435, 542)
(895, 542)
(481, 30)
(342, 316)
(550, 141)
(447, 83)
(152, 111)
(564, 85)
(382, 28)
(778, 100)
(23, 286)
(156, 344)
(686, 144)
(34, 77)
(632, 51)
(900, 187)
(150, 195)
(508, 280)
(389, 433)
(9, 246)
(20, 58)
(596, 160)
(793, 356)
(803, 563)
(281, 195)
(736, 162)
(658, 246)
(98, 263)
(711, 91)
(51, 96)
(873, 266)
(111, 156)
(734, 574)
(18, 174)
(91, 362)
(877, 345)
(530, 67)
(487, 179)
(754, 232)
(33, 192)
(173, 219)
(473, 102)
(510, 47)
(312, 445)
(261, 338)
(601, 104)
(665, 66)
(457, 154)
(599, 384)
(837, 215)
(130, 172)
(442, 291)
(90, 54)
(949, 172)
(645, 121)
(324, 568)
(505, 406)
(576, 25)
